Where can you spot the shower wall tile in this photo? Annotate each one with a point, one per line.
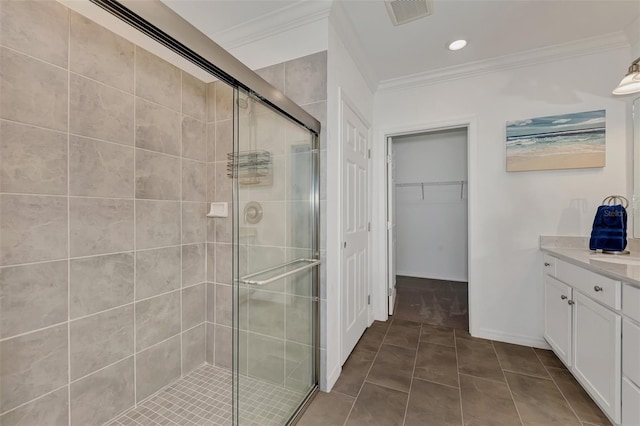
(32, 365)
(299, 319)
(223, 140)
(194, 139)
(267, 313)
(157, 271)
(266, 358)
(33, 92)
(157, 224)
(193, 306)
(99, 111)
(224, 305)
(157, 367)
(157, 128)
(223, 263)
(33, 161)
(274, 75)
(99, 283)
(223, 354)
(193, 348)
(210, 342)
(223, 228)
(37, 28)
(223, 183)
(32, 297)
(193, 264)
(157, 80)
(306, 78)
(98, 398)
(211, 102)
(194, 222)
(34, 228)
(194, 96)
(157, 176)
(194, 175)
(100, 169)
(100, 340)
(99, 54)
(211, 182)
(211, 302)
(157, 319)
(224, 101)
(211, 142)
(50, 410)
(100, 226)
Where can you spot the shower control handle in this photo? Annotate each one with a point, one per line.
(597, 288)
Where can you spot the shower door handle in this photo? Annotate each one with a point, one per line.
(250, 279)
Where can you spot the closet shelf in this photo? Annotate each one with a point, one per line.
(440, 183)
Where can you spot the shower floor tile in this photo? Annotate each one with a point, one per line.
(203, 398)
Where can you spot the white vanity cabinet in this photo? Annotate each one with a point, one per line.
(584, 328)
(631, 356)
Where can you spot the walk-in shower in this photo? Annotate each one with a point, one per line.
(122, 300)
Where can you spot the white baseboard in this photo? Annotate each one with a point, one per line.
(430, 276)
(327, 384)
(516, 339)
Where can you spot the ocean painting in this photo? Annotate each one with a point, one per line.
(569, 141)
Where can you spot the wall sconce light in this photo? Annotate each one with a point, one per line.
(631, 82)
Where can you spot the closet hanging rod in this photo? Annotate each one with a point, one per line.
(441, 183)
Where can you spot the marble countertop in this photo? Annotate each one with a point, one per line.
(629, 273)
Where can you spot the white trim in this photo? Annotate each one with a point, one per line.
(517, 60)
(333, 377)
(273, 23)
(516, 339)
(632, 32)
(379, 171)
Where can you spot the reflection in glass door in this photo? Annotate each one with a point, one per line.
(275, 264)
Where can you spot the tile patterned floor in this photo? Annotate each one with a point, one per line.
(409, 373)
(434, 302)
(203, 398)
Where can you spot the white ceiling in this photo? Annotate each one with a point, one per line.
(493, 28)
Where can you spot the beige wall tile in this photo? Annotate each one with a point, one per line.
(299, 319)
(193, 348)
(210, 341)
(32, 92)
(193, 264)
(194, 222)
(273, 74)
(32, 228)
(32, 365)
(157, 319)
(266, 358)
(37, 28)
(157, 128)
(211, 102)
(157, 271)
(33, 161)
(222, 182)
(193, 306)
(157, 176)
(100, 340)
(211, 182)
(100, 111)
(50, 410)
(306, 78)
(223, 347)
(100, 282)
(100, 226)
(223, 263)
(98, 53)
(100, 169)
(223, 140)
(98, 398)
(267, 313)
(224, 101)
(211, 302)
(194, 96)
(224, 305)
(157, 224)
(194, 139)
(194, 183)
(32, 297)
(157, 80)
(157, 367)
(211, 142)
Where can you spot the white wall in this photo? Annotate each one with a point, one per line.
(509, 211)
(432, 231)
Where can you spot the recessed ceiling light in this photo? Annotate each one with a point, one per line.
(457, 45)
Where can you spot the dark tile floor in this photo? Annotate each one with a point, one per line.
(411, 373)
(434, 302)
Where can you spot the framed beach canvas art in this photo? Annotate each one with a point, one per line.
(568, 141)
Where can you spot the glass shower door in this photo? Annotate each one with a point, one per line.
(275, 264)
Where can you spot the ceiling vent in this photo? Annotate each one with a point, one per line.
(403, 11)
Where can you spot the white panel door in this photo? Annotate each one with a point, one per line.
(392, 239)
(355, 211)
(557, 317)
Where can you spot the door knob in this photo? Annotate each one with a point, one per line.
(563, 297)
(571, 302)
(547, 264)
(597, 288)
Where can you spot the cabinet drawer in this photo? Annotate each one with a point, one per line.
(630, 403)
(631, 351)
(549, 265)
(598, 287)
(631, 302)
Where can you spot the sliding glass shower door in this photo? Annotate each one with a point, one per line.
(275, 211)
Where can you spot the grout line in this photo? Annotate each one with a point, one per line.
(413, 372)
(35, 399)
(507, 383)
(182, 160)
(575, 413)
(102, 368)
(455, 347)
(68, 260)
(135, 233)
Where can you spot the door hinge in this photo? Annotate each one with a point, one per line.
(389, 291)
(369, 153)
(389, 159)
(369, 226)
(368, 299)
(345, 244)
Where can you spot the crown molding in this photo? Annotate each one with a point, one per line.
(301, 13)
(632, 31)
(557, 52)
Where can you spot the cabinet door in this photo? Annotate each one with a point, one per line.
(557, 317)
(597, 339)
